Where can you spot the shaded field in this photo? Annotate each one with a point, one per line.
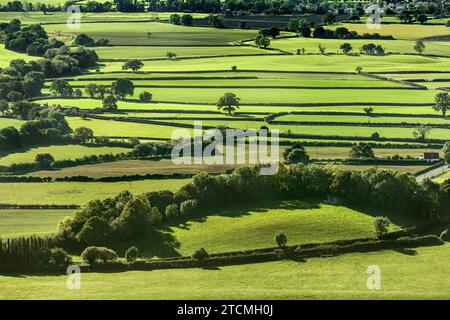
(7, 55)
(78, 192)
(64, 152)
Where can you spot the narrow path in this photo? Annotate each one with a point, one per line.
(433, 173)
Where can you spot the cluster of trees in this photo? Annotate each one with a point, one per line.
(129, 217)
(361, 151)
(295, 154)
(185, 19)
(372, 49)
(86, 41)
(44, 126)
(32, 250)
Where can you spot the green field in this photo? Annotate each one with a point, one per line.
(78, 192)
(14, 223)
(9, 122)
(59, 153)
(6, 56)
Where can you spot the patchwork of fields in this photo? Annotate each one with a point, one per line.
(318, 100)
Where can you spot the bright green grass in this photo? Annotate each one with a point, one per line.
(60, 153)
(7, 55)
(363, 119)
(425, 76)
(15, 223)
(325, 63)
(160, 33)
(399, 31)
(78, 192)
(160, 52)
(8, 122)
(311, 45)
(136, 105)
(258, 96)
(441, 178)
(422, 275)
(361, 82)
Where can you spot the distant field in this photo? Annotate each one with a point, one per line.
(7, 55)
(322, 63)
(59, 153)
(154, 33)
(399, 31)
(160, 52)
(404, 169)
(78, 192)
(15, 223)
(311, 45)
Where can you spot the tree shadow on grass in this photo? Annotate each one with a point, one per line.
(407, 251)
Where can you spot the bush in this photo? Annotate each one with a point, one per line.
(132, 254)
(172, 211)
(381, 225)
(92, 255)
(59, 257)
(145, 96)
(281, 239)
(200, 254)
(188, 207)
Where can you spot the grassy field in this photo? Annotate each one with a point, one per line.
(78, 192)
(441, 178)
(8, 122)
(152, 33)
(6, 56)
(15, 223)
(59, 153)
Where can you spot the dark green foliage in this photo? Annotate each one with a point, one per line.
(131, 254)
(93, 255)
(381, 226)
(281, 240)
(361, 150)
(200, 254)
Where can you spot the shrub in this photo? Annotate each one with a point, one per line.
(188, 207)
(381, 225)
(172, 211)
(281, 239)
(92, 255)
(59, 257)
(145, 96)
(200, 254)
(131, 254)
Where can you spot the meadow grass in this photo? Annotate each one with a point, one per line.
(9, 122)
(363, 119)
(63, 152)
(398, 31)
(7, 55)
(441, 178)
(18, 222)
(311, 45)
(154, 33)
(78, 192)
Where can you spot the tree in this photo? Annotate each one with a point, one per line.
(217, 21)
(419, 46)
(171, 55)
(131, 254)
(122, 88)
(44, 160)
(446, 151)
(200, 254)
(84, 40)
(368, 111)
(404, 16)
(187, 20)
(358, 69)
(133, 64)
(91, 90)
(281, 240)
(361, 151)
(422, 132)
(77, 93)
(110, 103)
(321, 49)
(442, 103)
(145, 96)
(83, 134)
(262, 41)
(381, 226)
(229, 102)
(61, 87)
(4, 107)
(329, 18)
(134, 220)
(422, 18)
(346, 48)
(93, 254)
(175, 19)
(297, 156)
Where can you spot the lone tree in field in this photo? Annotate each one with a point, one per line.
(145, 96)
(171, 55)
(419, 46)
(322, 49)
(44, 160)
(361, 151)
(133, 64)
(381, 226)
(262, 41)
(368, 111)
(229, 102)
(281, 240)
(442, 103)
(346, 48)
(296, 154)
(122, 88)
(110, 103)
(83, 134)
(200, 254)
(358, 69)
(422, 132)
